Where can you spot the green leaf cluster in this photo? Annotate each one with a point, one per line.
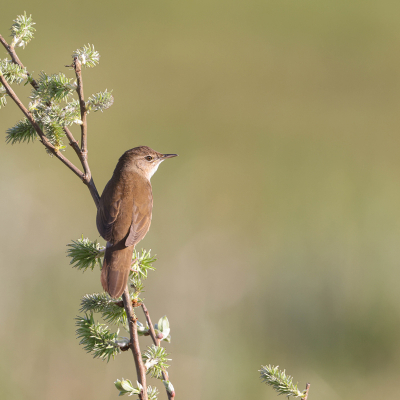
(279, 381)
(22, 30)
(13, 73)
(96, 338)
(125, 387)
(87, 55)
(85, 254)
(23, 131)
(51, 104)
(142, 263)
(100, 101)
(104, 304)
(54, 87)
(155, 359)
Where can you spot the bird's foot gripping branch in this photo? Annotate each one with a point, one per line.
(98, 340)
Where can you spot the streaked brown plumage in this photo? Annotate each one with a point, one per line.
(124, 213)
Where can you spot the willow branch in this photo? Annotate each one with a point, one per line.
(89, 183)
(156, 341)
(153, 335)
(72, 141)
(11, 51)
(38, 130)
(78, 72)
(134, 337)
(307, 389)
(86, 176)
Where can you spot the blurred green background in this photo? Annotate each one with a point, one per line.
(278, 227)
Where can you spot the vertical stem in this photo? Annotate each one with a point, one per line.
(137, 355)
(156, 341)
(78, 71)
(151, 327)
(89, 183)
(306, 393)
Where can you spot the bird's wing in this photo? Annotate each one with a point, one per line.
(141, 219)
(108, 210)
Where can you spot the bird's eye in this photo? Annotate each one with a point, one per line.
(148, 158)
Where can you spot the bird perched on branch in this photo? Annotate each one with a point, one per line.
(124, 213)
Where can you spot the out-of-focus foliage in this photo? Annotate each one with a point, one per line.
(279, 381)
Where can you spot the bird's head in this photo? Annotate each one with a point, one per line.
(144, 160)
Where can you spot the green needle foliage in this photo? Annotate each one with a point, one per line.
(13, 73)
(104, 304)
(100, 101)
(22, 132)
(84, 254)
(22, 30)
(155, 359)
(55, 113)
(55, 134)
(51, 91)
(279, 381)
(96, 338)
(53, 87)
(143, 263)
(87, 55)
(152, 393)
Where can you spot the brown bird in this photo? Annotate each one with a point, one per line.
(124, 213)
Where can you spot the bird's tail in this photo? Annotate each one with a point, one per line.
(116, 267)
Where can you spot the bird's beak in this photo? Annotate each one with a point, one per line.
(164, 156)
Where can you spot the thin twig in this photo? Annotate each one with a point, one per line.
(153, 335)
(137, 355)
(156, 341)
(307, 389)
(72, 141)
(78, 72)
(89, 183)
(39, 131)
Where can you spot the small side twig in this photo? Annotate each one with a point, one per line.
(156, 341)
(78, 72)
(134, 338)
(307, 389)
(89, 183)
(72, 141)
(153, 335)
